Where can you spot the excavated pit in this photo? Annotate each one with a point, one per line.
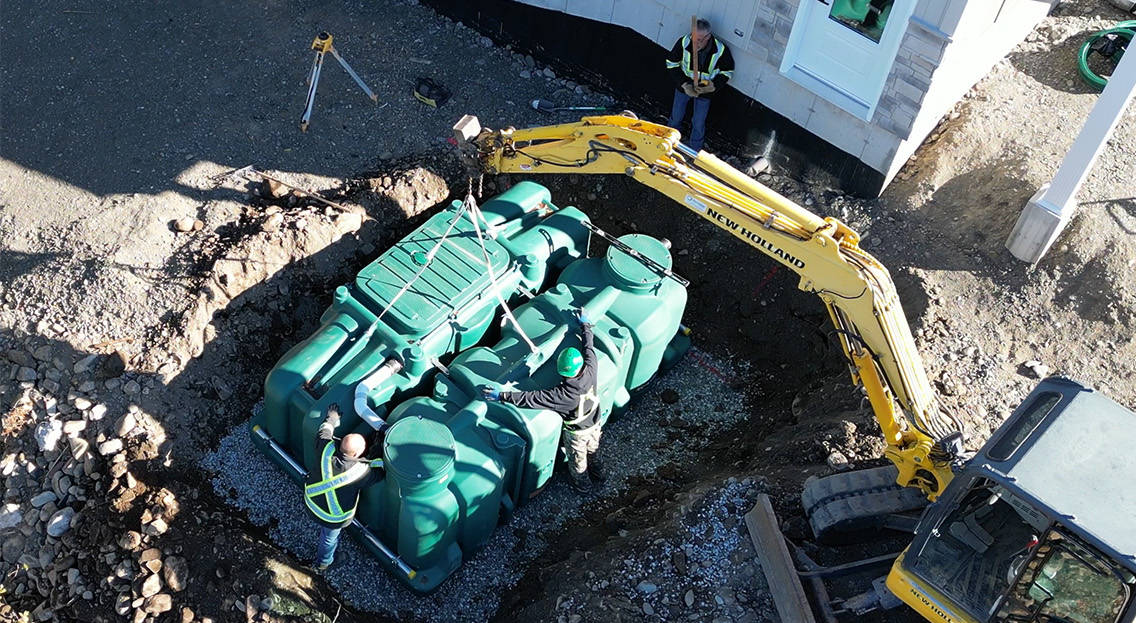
(762, 362)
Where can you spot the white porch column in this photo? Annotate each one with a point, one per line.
(1051, 208)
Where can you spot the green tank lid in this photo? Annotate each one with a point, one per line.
(418, 450)
(630, 273)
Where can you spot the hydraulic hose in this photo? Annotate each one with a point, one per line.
(1125, 29)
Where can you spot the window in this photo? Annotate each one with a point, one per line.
(970, 554)
(1026, 424)
(843, 50)
(1068, 582)
(867, 17)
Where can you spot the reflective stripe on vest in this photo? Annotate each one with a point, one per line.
(326, 487)
(711, 70)
(582, 413)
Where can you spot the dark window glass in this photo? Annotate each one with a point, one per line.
(1013, 439)
(970, 554)
(867, 17)
(1069, 582)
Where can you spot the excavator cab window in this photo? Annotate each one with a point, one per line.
(1068, 581)
(970, 554)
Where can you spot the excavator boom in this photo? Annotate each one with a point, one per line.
(922, 440)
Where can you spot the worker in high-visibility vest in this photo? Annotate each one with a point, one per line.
(332, 491)
(715, 68)
(576, 400)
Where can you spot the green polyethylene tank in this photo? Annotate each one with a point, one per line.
(433, 512)
(419, 457)
(648, 304)
(380, 338)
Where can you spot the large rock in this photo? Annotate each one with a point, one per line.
(175, 573)
(156, 527)
(71, 428)
(158, 604)
(130, 540)
(151, 586)
(47, 434)
(20, 358)
(13, 547)
(43, 498)
(60, 522)
(42, 353)
(125, 424)
(84, 364)
(110, 446)
(10, 516)
(79, 447)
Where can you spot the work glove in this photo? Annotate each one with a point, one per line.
(490, 393)
(689, 89)
(706, 88)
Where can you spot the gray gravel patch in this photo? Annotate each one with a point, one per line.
(634, 445)
(705, 570)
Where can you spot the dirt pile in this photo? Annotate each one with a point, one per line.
(91, 436)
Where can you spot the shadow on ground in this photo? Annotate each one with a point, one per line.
(121, 98)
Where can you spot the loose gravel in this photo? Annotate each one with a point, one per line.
(703, 571)
(473, 593)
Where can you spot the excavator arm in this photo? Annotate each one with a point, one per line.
(922, 439)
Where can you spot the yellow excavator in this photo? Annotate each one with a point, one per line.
(1038, 525)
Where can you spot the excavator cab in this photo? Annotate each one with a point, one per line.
(1040, 525)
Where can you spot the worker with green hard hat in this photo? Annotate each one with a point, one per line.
(575, 399)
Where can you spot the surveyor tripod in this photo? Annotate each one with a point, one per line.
(322, 45)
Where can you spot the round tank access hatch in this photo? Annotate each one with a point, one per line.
(418, 450)
(631, 273)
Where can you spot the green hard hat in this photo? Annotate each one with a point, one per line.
(569, 362)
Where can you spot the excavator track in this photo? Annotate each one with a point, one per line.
(856, 501)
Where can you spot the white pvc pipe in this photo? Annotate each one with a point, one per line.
(364, 387)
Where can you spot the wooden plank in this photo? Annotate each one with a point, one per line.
(777, 565)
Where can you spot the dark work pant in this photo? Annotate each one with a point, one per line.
(697, 121)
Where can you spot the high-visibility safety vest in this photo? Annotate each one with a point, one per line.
(324, 490)
(711, 70)
(589, 402)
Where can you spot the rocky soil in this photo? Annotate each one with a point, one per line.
(145, 292)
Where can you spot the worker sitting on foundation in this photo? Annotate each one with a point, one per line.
(575, 399)
(332, 491)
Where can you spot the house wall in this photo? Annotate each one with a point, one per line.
(964, 43)
(949, 45)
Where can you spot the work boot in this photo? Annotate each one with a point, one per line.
(596, 468)
(579, 482)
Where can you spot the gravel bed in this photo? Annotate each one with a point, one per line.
(706, 570)
(634, 445)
